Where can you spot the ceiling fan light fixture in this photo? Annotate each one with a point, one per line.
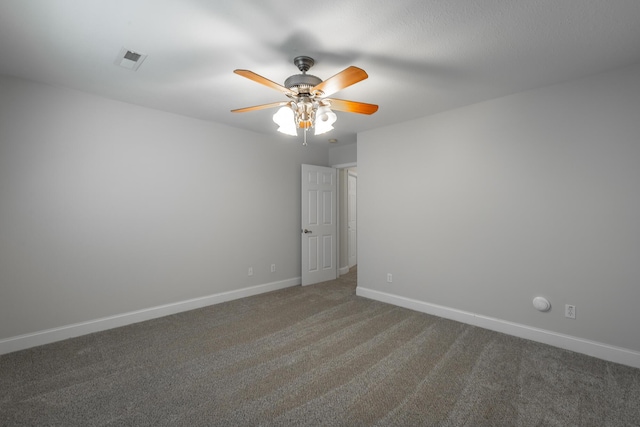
(325, 118)
(305, 113)
(285, 119)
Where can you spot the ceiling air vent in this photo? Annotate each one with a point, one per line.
(129, 59)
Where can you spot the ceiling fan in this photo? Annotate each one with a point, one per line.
(308, 106)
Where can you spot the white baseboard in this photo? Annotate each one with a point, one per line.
(34, 339)
(343, 270)
(591, 348)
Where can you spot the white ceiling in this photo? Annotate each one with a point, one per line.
(422, 56)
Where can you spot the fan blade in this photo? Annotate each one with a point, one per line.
(351, 106)
(261, 107)
(343, 79)
(262, 80)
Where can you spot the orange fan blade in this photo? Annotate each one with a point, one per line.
(261, 107)
(262, 80)
(343, 79)
(352, 106)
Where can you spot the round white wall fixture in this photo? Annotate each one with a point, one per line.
(541, 304)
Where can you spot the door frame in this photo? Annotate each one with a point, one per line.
(342, 166)
(352, 175)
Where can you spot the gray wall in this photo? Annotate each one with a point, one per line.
(341, 155)
(107, 207)
(482, 208)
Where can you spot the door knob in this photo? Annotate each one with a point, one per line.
(305, 231)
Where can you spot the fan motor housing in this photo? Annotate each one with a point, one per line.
(301, 81)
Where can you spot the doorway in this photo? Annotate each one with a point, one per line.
(352, 218)
(347, 238)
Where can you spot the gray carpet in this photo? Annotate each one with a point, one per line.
(313, 356)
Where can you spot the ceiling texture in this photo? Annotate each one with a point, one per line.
(422, 56)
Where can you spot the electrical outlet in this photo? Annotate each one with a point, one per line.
(389, 278)
(273, 268)
(250, 271)
(570, 311)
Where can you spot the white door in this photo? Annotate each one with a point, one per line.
(352, 223)
(319, 227)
